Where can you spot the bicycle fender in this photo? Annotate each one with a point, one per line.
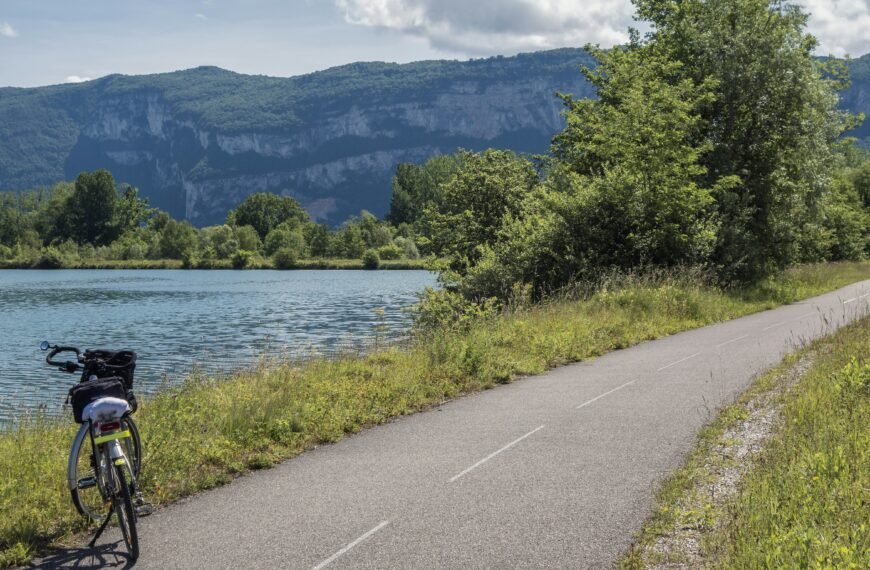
(74, 453)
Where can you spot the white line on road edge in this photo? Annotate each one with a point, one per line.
(864, 295)
(678, 362)
(727, 342)
(332, 558)
(805, 315)
(595, 399)
(852, 300)
(491, 455)
(773, 326)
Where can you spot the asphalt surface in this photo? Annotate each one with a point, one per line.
(553, 471)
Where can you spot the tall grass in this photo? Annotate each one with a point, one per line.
(804, 502)
(207, 431)
(807, 505)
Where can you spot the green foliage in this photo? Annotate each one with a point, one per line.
(390, 251)
(51, 258)
(89, 214)
(242, 259)
(265, 211)
(285, 237)
(285, 258)
(177, 240)
(417, 187)
(773, 122)
(485, 190)
(370, 259)
(248, 238)
(219, 241)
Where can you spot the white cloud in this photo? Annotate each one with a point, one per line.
(75, 79)
(7, 31)
(497, 26)
(501, 26)
(201, 16)
(842, 26)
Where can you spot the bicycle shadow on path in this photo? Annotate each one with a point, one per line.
(111, 555)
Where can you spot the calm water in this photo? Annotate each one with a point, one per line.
(175, 320)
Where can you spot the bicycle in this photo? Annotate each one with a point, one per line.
(106, 454)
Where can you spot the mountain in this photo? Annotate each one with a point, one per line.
(196, 142)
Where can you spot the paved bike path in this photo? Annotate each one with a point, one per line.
(554, 471)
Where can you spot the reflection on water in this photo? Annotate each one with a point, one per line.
(174, 320)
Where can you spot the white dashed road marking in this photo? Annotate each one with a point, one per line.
(344, 550)
(727, 342)
(491, 455)
(678, 362)
(596, 398)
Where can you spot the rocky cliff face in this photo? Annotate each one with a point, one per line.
(197, 142)
(336, 159)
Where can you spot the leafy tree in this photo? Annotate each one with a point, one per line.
(486, 189)
(248, 238)
(89, 215)
(265, 211)
(219, 239)
(773, 121)
(348, 242)
(176, 239)
(636, 152)
(286, 236)
(416, 187)
(131, 211)
(317, 237)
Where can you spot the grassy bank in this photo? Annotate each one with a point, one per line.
(208, 431)
(800, 502)
(256, 263)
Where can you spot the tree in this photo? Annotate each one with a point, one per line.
(264, 211)
(416, 187)
(89, 215)
(286, 236)
(177, 239)
(486, 189)
(773, 122)
(131, 211)
(636, 152)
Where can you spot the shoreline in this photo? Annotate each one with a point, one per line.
(224, 265)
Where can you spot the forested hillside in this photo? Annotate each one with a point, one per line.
(197, 142)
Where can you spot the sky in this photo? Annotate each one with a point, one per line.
(46, 42)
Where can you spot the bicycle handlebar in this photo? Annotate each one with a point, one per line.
(67, 366)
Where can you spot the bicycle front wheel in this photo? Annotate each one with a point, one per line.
(123, 506)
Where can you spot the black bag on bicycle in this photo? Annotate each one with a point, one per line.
(110, 364)
(84, 393)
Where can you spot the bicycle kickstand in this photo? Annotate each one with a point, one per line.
(103, 526)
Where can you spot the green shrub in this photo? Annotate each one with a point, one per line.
(242, 259)
(391, 251)
(370, 259)
(285, 258)
(51, 258)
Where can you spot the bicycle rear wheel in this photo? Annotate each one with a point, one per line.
(123, 506)
(84, 483)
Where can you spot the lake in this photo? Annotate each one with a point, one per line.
(216, 321)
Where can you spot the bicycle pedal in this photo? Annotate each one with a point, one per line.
(87, 483)
(144, 510)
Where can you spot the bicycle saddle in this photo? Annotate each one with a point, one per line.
(106, 410)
